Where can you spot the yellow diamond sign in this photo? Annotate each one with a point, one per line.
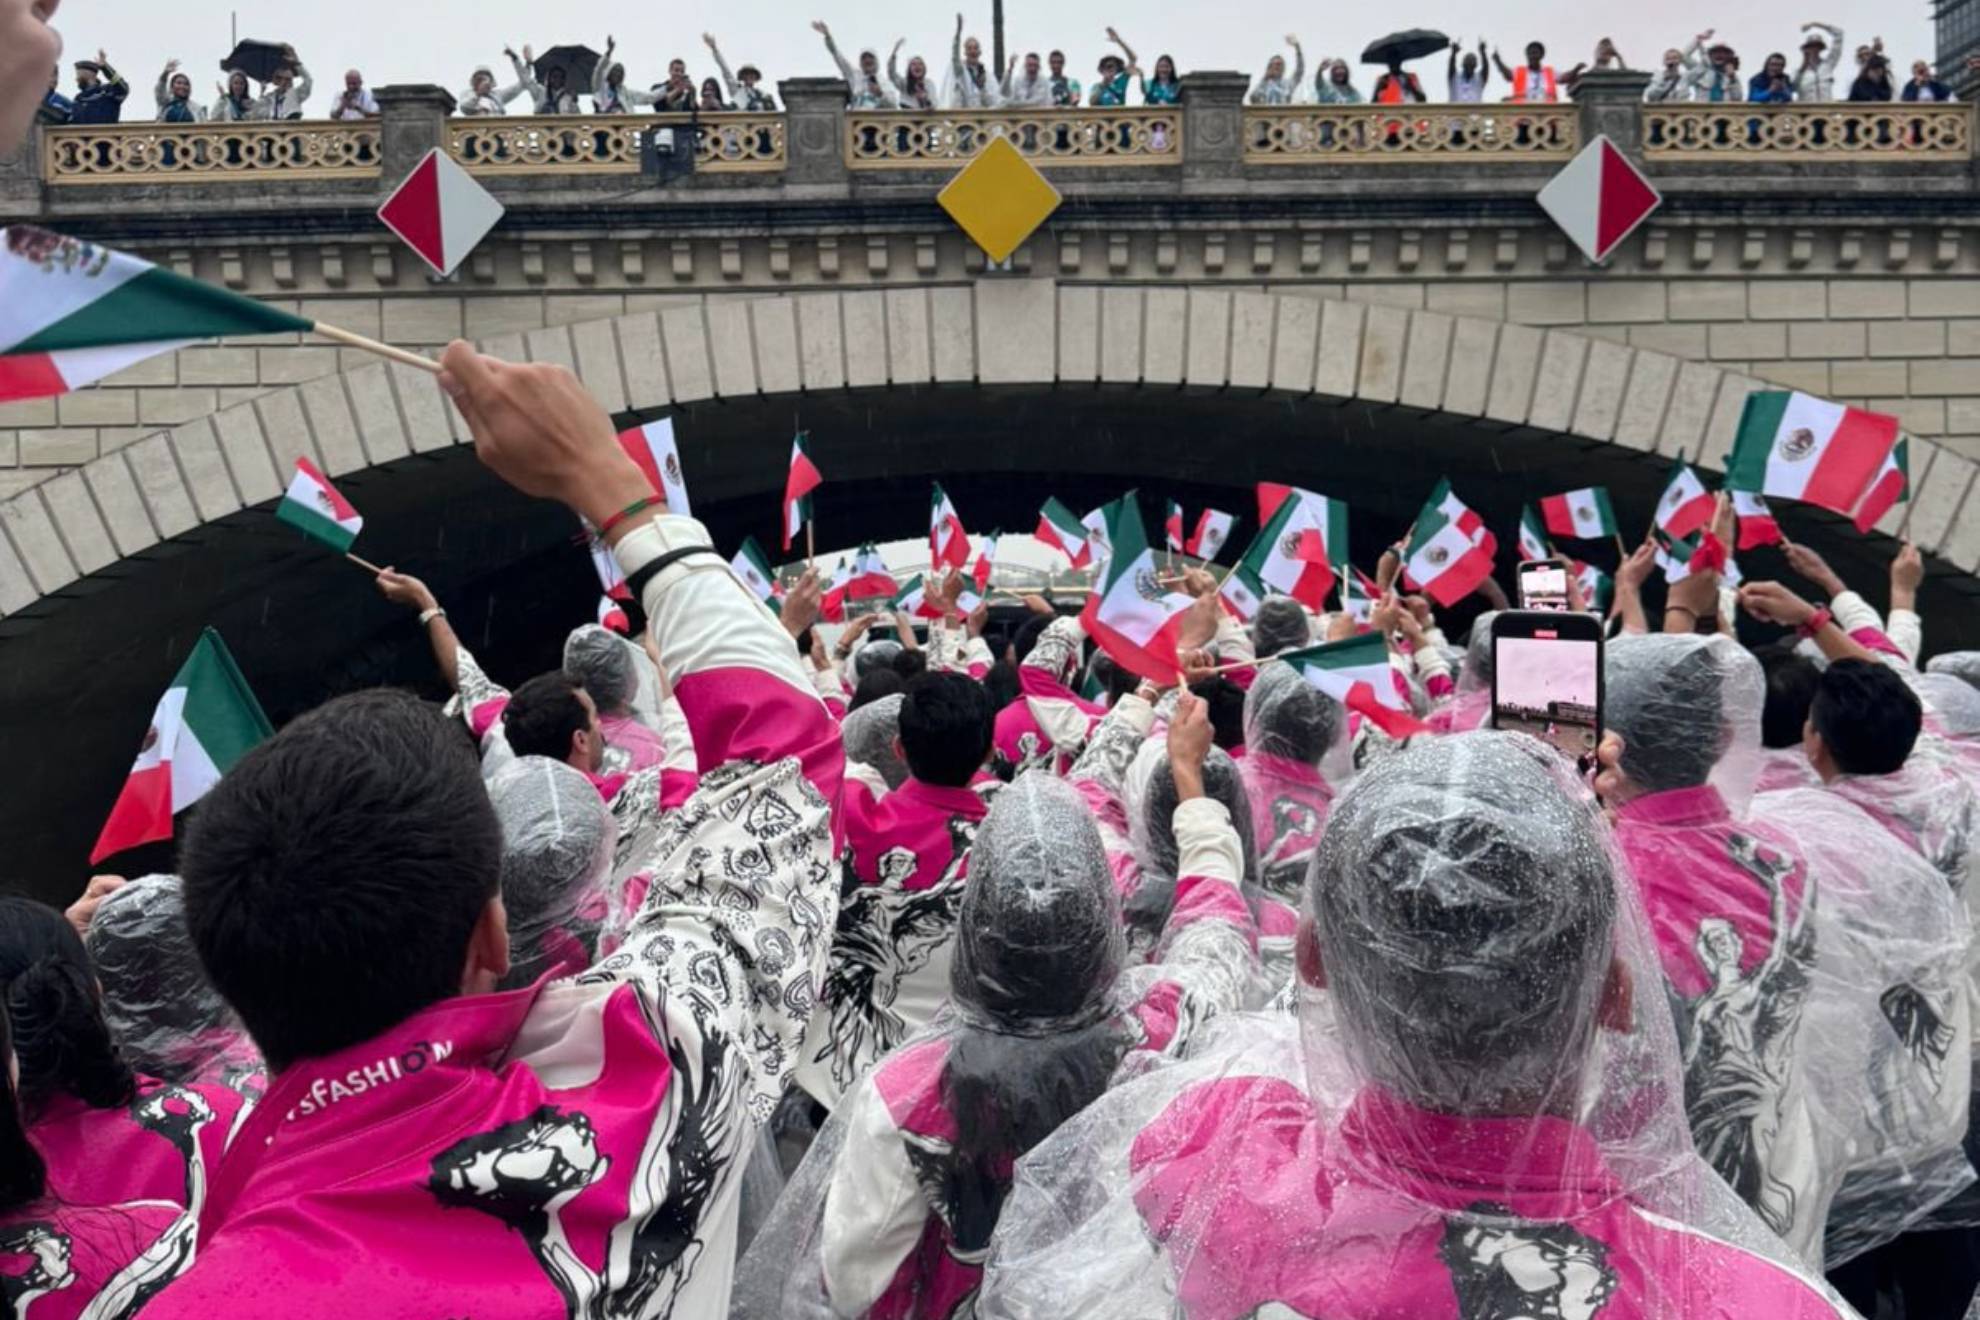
(999, 199)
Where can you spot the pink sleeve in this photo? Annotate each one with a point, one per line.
(1875, 641)
(1439, 686)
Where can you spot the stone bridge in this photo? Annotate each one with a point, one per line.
(1322, 294)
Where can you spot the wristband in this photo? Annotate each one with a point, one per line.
(637, 506)
(1816, 622)
(428, 616)
(1682, 609)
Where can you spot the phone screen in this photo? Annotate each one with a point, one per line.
(1543, 587)
(1549, 684)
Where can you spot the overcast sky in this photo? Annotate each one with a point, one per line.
(442, 40)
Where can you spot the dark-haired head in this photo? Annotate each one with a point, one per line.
(1791, 683)
(1226, 702)
(946, 724)
(60, 1038)
(873, 686)
(23, 1174)
(346, 874)
(910, 665)
(552, 715)
(1864, 720)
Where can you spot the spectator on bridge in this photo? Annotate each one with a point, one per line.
(1275, 88)
(1607, 59)
(55, 108)
(1534, 80)
(711, 101)
(744, 85)
(236, 103)
(1332, 87)
(285, 95)
(549, 96)
(1815, 80)
(1395, 86)
(1026, 90)
(915, 92)
(1466, 78)
(864, 89)
(100, 92)
(1874, 83)
(1164, 88)
(1673, 81)
(1065, 91)
(1112, 88)
(678, 93)
(356, 100)
(174, 97)
(1771, 85)
(971, 85)
(609, 93)
(482, 97)
(1924, 85)
(1717, 79)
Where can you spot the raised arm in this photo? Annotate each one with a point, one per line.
(832, 49)
(1299, 62)
(164, 93)
(1499, 62)
(722, 66)
(1126, 49)
(603, 69)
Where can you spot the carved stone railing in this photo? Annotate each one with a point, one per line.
(924, 139)
(133, 153)
(1842, 130)
(1373, 134)
(611, 144)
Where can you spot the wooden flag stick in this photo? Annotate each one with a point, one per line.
(355, 340)
(364, 564)
(1621, 549)
(1904, 527)
(810, 546)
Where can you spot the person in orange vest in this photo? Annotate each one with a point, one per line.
(1533, 80)
(1396, 86)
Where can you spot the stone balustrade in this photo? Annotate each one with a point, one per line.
(1079, 137)
(1870, 134)
(209, 153)
(1374, 134)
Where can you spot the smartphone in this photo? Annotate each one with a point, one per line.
(1547, 679)
(1543, 585)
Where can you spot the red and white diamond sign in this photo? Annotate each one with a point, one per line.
(440, 212)
(1599, 199)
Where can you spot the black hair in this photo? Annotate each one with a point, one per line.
(910, 664)
(334, 877)
(1002, 684)
(875, 685)
(947, 723)
(23, 1173)
(60, 1038)
(1867, 716)
(1028, 635)
(1792, 680)
(543, 714)
(1672, 721)
(1226, 702)
(1147, 910)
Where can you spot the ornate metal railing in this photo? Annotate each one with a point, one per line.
(129, 153)
(924, 139)
(1842, 130)
(1374, 134)
(613, 144)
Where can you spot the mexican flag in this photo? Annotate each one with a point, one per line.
(753, 567)
(72, 313)
(1756, 521)
(1680, 557)
(1270, 496)
(1449, 553)
(948, 543)
(1584, 513)
(1295, 553)
(610, 579)
(1242, 593)
(986, 561)
(652, 448)
(1597, 587)
(1803, 448)
(871, 578)
(1685, 506)
(612, 615)
(1891, 484)
(912, 599)
(1533, 536)
(206, 721)
(804, 478)
(314, 507)
(1097, 533)
(1212, 530)
(1356, 673)
(1362, 593)
(1172, 527)
(1060, 528)
(832, 608)
(1132, 616)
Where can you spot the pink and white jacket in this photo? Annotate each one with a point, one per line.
(1047, 725)
(1259, 1211)
(572, 1148)
(163, 1146)
(895, 1245)
(906, 862)
(1930, 807)
(70, 1262)
(1289, 805)
(951, 650)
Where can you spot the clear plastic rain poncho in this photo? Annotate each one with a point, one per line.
(1960, 664)
(557, 839)
(164, 1014)
(1471, 707)
(1774, 983)
(1481, 1115)
(879, 653)
(620, 678)
(1279, 626)
(1150, 800)
(1952, 704)
(1295, 752)
(872, 734)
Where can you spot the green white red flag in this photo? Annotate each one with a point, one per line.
(871, 578)
(1213, 528)
(1798, 447)
(948, 543)
(315, 507)
(803, 479)
(1757, 525)
(1295, 552)
(72, 313)
(1533, 536)
(1597, 587)
(986, 560)
(1060, 528)
(1450, 552)
(1362, 593)
(753, 567)
(1172, 527)
(832, 608)
(1357, 674)
(1680, 557)
(652, 447)
(1242, 593)
(1888, 488)
(1132, 616)
(1585, 513)
(1685, 506)
(207, 720)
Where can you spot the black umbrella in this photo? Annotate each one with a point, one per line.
(1401, 47)
(259, 59)
(577, 62)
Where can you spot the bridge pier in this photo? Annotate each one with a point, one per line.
(1610, 102)
(412, 120)
(815, 131)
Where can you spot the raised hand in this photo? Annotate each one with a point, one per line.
(818, 26)
(1190, 740)
(405, 589)
(1634, 571)
(1810, 565)
(1907, 572)
(802, 605)
(1770, 602)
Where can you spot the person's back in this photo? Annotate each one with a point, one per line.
(431, 1147)
(1047, 725)
(1473, 975)
(1291, 729)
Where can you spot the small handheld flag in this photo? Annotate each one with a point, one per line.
(1585, 514)
(1172, 527)
(1212, 530)
(314, 507)
(1757, 526)
(1356, 673)
(1450, 552)
(1296, 548)
(1242, 593)
(871, 579)
(652, 447)
(986, 561)
(1685, 506)
(948, 543)
(1532, 536)
(803, 479)
(1890, 487)
(753, 567)
(1131, 615)
(1799, 447)
(1060, 528)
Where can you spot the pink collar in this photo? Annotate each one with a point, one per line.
(948, 801)
(1678, 807)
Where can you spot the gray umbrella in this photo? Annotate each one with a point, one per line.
(1401, 47)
